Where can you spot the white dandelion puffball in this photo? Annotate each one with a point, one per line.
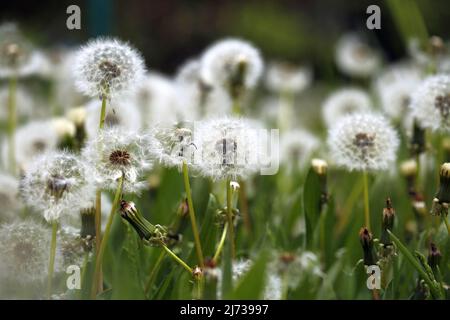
(114, 153)
(296, 148)
(197, 97)
(222, 63)
(228, 148)
(363, 142)
(157, 98)
(57, 183)
(31, 140)
(176, 145)
(121, 113)
(343, 102)
(284, 77)
(355, 57)
(24, 252)
(9, 197)
(17, 57)
(395, 87)
(430, 103)
(107, 68)
(24, 103)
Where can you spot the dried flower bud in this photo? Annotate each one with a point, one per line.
(417, 144)
(387, 223)
(366, 239)
(434, 256)
(442, 198)
(87, 223)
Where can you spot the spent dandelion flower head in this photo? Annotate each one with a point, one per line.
(31, 140)
(430, 103)
(121, 113)
(395, 87)
(114, 153)
(363, 142)
(9, 197)
(17, 56)
(296, 148)
(57, 183)
(284, 77)
(228, 148)
(343, 102)
(24, 249)
(233, 64)
(107, 67)
(355, 57)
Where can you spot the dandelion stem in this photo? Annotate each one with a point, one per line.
(101, 251)
(154, 272)
(230, 218)
(102, 113)
(51, 264)
(366, 200)
(446, 224)
(198, 247)
(12, 122)
(221, 243)
(176, 258)
(236, 107)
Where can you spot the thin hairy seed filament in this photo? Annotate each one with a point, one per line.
(176, 258)
(51, 264)
(187, 186)
(100, 253)
(230, 218)
(366, 200)
(12, 123)
(221, 243)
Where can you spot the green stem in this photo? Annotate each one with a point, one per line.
(221, 243)
(51, 264)
(83, 271)
(446, 224)
(230, 218)
(177, 258)
(366, 200)
(12, 122)
(102, 113)
(154, 272)
(198, 246)
(101, 252)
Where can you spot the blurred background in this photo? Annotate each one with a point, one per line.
(169, 31)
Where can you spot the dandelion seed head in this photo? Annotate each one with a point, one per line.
(296, 148)
(107, 67)
(57, 183)
(355, 57)
(284, 77)
(223, 63)
(24, 251)
(363, 142)
(9, 197)
(430, 103)
(395, 87)
(114, 152)
(344, 102)
(228, 148)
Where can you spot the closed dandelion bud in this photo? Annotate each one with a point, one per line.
(366, 239)
(387, 223)
(434, 256)
(87, 223)
(442, 198)
(320, 167)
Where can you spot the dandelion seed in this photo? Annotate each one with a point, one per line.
(430, 103)
(107, 68)
(363, 142)
(24, 247)
(296, 148)
(344, 102)
(57, 183)
(228, 148)
(283, 77)
(232, 64)
(355, 57)
(114, 153)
